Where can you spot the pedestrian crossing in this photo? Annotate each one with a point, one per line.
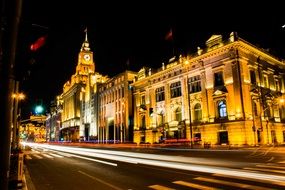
(221, 181)
(41, 155)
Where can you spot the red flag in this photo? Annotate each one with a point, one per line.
(38, 43)
(169, 35)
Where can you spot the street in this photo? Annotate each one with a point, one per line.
(60, 167)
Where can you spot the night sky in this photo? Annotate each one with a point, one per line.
(131, 32)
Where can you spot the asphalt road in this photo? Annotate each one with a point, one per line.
(76, 168)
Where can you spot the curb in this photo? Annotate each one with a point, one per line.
(28, 184)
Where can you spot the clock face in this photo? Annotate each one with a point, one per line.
(86, 57)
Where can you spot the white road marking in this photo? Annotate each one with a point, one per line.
(159, 187)
(100, 180)
(194, 185)
(233, 184)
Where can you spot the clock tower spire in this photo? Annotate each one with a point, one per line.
(85, 63)
(85, 44)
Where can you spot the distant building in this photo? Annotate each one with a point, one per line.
(33, 129)
(116, 108)
(53, 121)
(229, 92)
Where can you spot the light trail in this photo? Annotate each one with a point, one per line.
(174, 162)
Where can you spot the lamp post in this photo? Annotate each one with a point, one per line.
(16, 111)
(253, 120)
(189, 105)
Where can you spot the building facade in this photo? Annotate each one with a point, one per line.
(116, 108)
(78, 110)
(229, 92)
(53, 121)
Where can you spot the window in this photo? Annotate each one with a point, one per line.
(197, 112)
(277, 85)
(143, 100)
(219, 81)
(254, 108)
(178, 114)
(160, 119)
(266, 110)
(194, 84)
(159, 94)
(265, 82)
(123, 93)
(222, 109)
(252, 77)
(143, 124)
(175, 89)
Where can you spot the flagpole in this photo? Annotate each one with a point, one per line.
(169, 37)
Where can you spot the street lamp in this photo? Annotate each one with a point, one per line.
(189, 105)
(16, 98)
(253, 119)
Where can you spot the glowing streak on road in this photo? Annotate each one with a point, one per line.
(160, 160)
(107, 153)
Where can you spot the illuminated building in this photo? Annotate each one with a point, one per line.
(33, 129)
(53, 121)
(78, 110)
(231, 90)
(115, 108)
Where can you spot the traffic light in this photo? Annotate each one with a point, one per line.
(38, 43)
(39, 109)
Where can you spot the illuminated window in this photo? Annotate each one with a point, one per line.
(266, 84)
(160, 119)
(175, 89)
(143, 100)
(159, 94)
(178, 114)
(222, 109)
(194, 84)
(266, 110)
(197, 112)
(277, 85)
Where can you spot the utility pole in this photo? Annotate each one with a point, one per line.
(15, 115)
(9, 23)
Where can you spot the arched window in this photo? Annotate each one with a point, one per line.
(222, 109)
(197, 112)
(160, 119)
(178, 114)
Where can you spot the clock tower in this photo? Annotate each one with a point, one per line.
(85, 63)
